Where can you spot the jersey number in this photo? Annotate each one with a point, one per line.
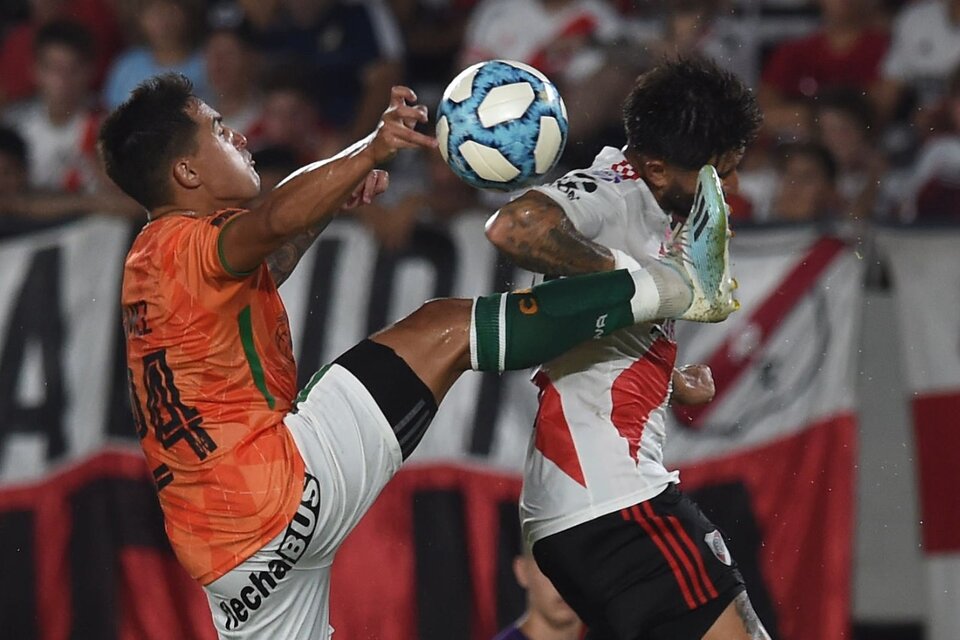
(171, 419)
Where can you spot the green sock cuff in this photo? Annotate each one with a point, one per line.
(487, 334)
(571, 296)
(519, 330)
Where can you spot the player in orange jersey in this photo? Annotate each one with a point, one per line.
(260, 485)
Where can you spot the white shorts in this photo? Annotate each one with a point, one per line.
(350, 452)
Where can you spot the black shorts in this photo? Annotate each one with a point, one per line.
(658, 570)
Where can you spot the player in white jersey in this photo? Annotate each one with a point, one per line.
(633, 556)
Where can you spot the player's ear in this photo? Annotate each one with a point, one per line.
(185, 175)
(520, 571)
(655, 172)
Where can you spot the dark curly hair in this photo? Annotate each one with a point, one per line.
(688, 111)
(142, 137)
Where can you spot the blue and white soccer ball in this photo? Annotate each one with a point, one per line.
(501, 125)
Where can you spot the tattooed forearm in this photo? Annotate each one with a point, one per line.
(538, 236)
(751, 623)
(282, 261)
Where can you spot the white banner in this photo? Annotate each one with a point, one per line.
(782, 418)
(786, 360)
(925, 268)
(61, 356)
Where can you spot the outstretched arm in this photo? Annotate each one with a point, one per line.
(537, 235)
(311, 197)
(283, 261)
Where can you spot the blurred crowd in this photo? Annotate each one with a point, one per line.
(861, 97)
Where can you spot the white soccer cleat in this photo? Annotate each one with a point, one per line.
(700, 251)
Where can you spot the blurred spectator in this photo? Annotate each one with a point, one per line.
(548, 616)
(232, 67)
(925, 48)
(577, 43)
(705, 27)
(16, 50)
(845, 126)
(60, 126)
(353, 51)
(13, 163)
(806, 189)
(289, 117)
(170, 32)
(432, 32)
(933, 187)
(558, 37)
(845, 52)
(23, 210)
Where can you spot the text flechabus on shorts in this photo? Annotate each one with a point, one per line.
(261, 584)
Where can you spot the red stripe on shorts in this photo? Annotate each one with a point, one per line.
(677, 549)
(695, 554)
(677, 573)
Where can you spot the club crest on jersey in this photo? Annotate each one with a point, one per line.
(715, 541)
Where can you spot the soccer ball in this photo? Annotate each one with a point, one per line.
(501, 125)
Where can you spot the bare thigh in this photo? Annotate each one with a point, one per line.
(738, 622)
(434, 341)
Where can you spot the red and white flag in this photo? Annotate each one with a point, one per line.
(771, 460)
(925, 268)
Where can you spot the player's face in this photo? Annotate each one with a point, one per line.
(681, 184)
(222, 160)
(542, 597)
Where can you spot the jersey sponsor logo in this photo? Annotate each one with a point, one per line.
(572, 184)
(715, 541)
(262, 584)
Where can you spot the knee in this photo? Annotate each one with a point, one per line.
(450, 312)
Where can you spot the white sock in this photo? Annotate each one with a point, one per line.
(662, 291)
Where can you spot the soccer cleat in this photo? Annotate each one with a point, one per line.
(700, 251)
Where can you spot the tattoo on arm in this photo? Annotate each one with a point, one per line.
(282, 261)
(538, 236)
(751, 623)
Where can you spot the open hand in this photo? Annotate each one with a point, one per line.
(396, 128)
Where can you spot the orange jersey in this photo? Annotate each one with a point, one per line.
(212, 375)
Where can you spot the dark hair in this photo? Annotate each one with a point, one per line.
(142, 137)
(66, 33)
(813, 150)
(12, 144)
(849, 101)
(229, 17)
(688, 111)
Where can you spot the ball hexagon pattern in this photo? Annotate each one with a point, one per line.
(501, 125)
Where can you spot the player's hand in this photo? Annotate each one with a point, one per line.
(396, 128)
(692, 385)
(372, 186)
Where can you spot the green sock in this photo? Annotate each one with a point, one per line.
(525, 328)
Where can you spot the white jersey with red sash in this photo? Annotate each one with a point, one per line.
(598, 441)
